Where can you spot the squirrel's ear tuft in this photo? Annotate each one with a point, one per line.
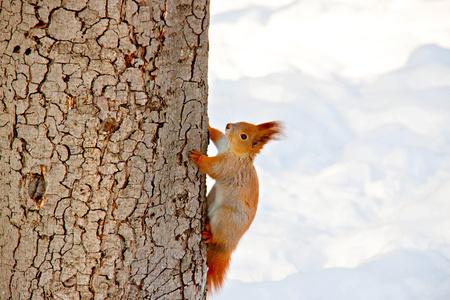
(274, 129)
(266, 132)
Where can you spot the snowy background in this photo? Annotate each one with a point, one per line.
(355, 201)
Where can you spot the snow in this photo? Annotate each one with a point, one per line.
(354, 202)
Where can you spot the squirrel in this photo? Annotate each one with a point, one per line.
(233, 200)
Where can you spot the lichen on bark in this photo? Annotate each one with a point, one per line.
(100, 103)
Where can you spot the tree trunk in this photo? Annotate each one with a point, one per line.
(100, 103)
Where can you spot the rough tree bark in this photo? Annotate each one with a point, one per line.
(100, 103)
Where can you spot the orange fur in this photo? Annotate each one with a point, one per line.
(214, 134)
(233, 200)
(218, 263)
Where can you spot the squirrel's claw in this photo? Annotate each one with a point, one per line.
(195, 155)
(206, 235)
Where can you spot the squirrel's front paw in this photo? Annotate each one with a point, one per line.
(195, 155)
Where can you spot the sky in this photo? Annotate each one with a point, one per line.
(354, 202)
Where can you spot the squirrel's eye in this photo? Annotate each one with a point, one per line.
(243, 136)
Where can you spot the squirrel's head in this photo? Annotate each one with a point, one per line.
(245, 138)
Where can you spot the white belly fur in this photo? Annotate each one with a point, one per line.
(215, 200)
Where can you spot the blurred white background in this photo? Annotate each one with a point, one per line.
(355, 201)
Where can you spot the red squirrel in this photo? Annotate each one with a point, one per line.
(233, 200)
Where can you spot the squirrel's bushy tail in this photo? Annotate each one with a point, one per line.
(218, 263)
